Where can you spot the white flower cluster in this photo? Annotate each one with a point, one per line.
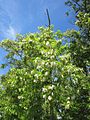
(44, 89)
(51, 87)
(49, 98)
(37, 60)
(67, 105)
(32, 72)
(47, 43)
(42, 62)
(21, 78)
(35, 81)
(77, 22)
(44, 96)
(42, 52)
(36, 76)
(48, 88)
(85, 15)
(25, 108)
(23, 40)
(52, 51)
(20, 97)
(38, 67)
(52, 56)
(30, 40)
(53, 64)
(46, 73)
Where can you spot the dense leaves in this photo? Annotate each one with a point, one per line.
(80, 52)
(42, 83)
(80, 40)
(48, 77)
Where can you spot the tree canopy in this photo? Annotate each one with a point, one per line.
(47, 77)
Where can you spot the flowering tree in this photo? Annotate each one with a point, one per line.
(42, 82)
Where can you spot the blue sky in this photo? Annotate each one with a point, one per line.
(23, 16)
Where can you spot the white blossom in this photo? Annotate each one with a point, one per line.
(52, 57)
(16, 77)
(68, 102)
(77, 22)
(44, 89)
(53, 64)
(36, 75)
(20, 78)
(47, 64)
(25, 108)
(44, 96)
(35, 81)
(68, 105)
(46, 73)
(47, 43)
(32, 72)
(42, 62)
(42, 52)
(68, 98)
(48, 53)
(51, 87)
(23, 40)
(30, 40)
(62, 76)
(20, 97)
(26, 73)
(49, 98)
(38, 67)
(85, 15)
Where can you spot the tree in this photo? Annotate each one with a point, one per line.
(80, 52)
(42, 82)
(80, 41)
(79, 5)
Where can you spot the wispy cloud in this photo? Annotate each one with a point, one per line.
(10, 33)
(6, 29)
(8, 22)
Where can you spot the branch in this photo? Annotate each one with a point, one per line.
(49, 21)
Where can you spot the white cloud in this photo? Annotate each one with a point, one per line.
(8, 24)
(10, 33)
